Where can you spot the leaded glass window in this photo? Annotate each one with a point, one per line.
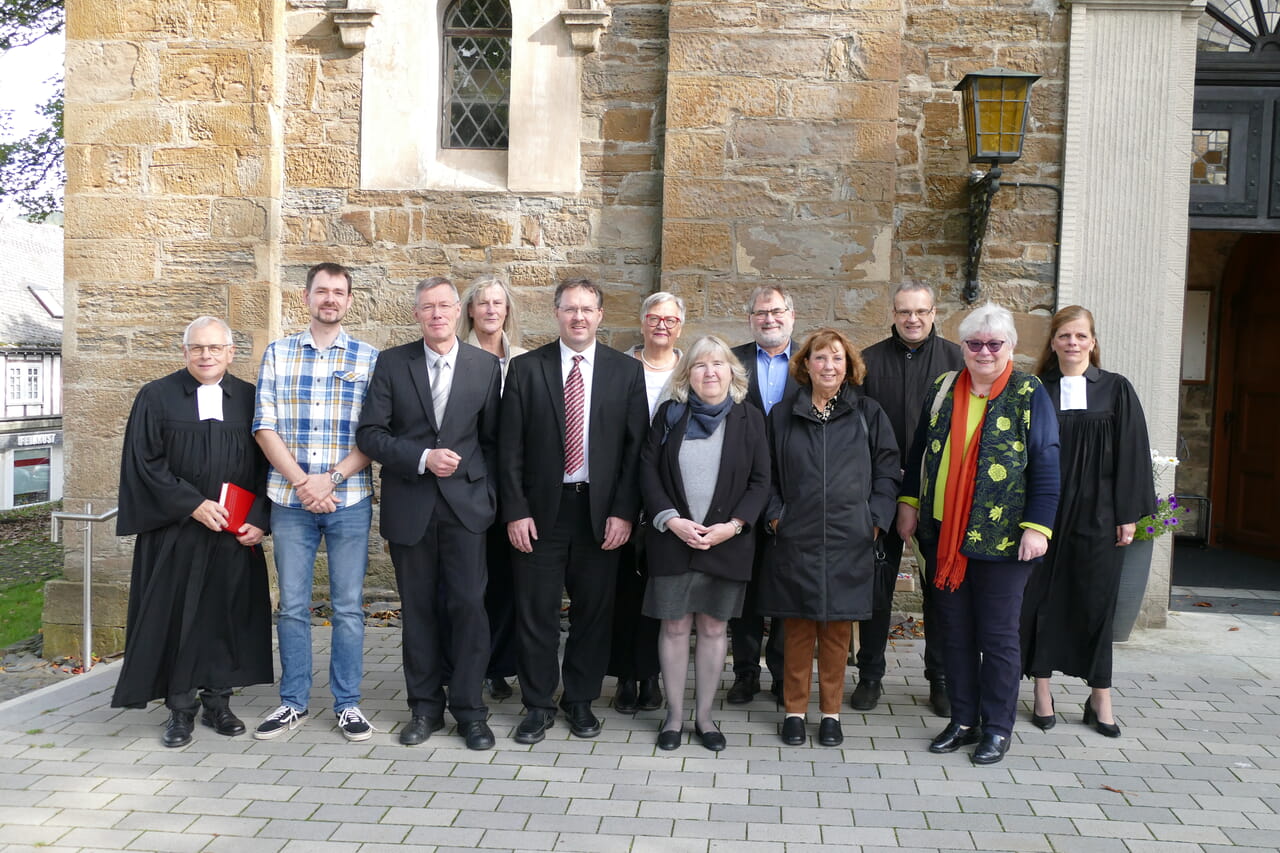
(1238, 26)
(1209, 150)
(477, 74)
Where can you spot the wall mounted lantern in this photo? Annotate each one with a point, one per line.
(994, 109)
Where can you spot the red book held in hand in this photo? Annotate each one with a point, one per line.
(237, 502)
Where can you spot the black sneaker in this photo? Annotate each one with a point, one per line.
(354, 725)
(281, 720)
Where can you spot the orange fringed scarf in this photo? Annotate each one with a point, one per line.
(962, 475)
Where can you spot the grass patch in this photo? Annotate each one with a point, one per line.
(20, 609)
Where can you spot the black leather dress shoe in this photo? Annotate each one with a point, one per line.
(177, 730)
(533, 728)
(991, 749)
(624, 700)
(650, 698)
(955, 736)
(418, 729)
(669, 739)
(222, 721)
(866, 695)
(744, 689)
(582, 723)
(477, 734)
(939, 701)
(499, 689)
(793, 731)
(712, 739)
(829, 732)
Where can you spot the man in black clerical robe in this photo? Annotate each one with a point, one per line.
(199, 608)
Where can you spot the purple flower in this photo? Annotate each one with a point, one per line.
(1173, 521)
(1150, 529)
(1173, 501)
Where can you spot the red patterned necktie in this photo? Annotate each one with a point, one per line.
(574, 395)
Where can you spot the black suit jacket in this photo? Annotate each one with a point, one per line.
(741, 491)
(398, 422)
(532, 437)
(746, 353)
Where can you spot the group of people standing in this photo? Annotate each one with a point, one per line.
(670, 492)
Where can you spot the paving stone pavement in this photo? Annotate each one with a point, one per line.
(1196, 769)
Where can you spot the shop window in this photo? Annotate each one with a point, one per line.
(31, 469)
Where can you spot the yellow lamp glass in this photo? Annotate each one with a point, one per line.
(994, 109)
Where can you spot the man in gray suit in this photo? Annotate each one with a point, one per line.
(431, 419)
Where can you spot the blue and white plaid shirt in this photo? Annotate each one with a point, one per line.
(312, 399)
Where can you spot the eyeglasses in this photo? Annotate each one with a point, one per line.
(904, 314)
(212, 349)
(775, 313)
(658, 320)
(574, 311)
(991, 346)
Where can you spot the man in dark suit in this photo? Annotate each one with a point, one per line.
(431, 419)
(772, 317)
(573, 421)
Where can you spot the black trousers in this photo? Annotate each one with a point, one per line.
(566, 557)
(500, 604)
(747, 631)
(980, 620)
(448, 563)
(633, 653)
(873, 633)
(209, 697)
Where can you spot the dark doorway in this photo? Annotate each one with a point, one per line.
(1246, 458)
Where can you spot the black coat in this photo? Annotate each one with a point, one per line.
(899, 378)
(742, 489)
(833, 483)
(398, 422)
(531, 437)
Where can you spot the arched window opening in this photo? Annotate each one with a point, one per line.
(477, 74)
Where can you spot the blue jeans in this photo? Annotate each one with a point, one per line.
(297, 535)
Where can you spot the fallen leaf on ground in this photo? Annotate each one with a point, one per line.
(1112, 790)
(1234, 628)
(1202, 604)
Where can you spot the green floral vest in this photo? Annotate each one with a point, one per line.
(999, 495)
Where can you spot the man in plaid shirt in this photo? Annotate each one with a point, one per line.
(310, 391)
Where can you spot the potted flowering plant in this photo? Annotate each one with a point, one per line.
(1135, 566)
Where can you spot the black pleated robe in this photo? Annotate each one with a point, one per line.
(199, 606)
(1070, 601)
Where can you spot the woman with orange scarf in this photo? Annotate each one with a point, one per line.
(984, 466)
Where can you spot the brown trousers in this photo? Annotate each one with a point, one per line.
(832, 639)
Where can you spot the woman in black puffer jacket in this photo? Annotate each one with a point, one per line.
(835, 482)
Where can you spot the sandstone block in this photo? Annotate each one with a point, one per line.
(62, 641)
(628, 226)
(191, 171)
(89, 21)
(239, 20)
(628, 125)
(696, 245)
(811, 250)
(208, 74)
(359, 221)
(104, 216)
(839, 100)
(322, 166)
(250, 310)
(109, 260)
(178, 217)
(564, 230)
(771, 54)
(234, 125)
(713, 16)
(464, 228)
(131, 123)
(207, 262)
(99, 72)
(877, 56)
(623, 164)
(391, 226)
(700, 154)
(63, 601)
(694, 102)
(103, 167)
(238, 217)
(695, 198)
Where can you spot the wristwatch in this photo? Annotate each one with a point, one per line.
(337, 477)
(737, 526)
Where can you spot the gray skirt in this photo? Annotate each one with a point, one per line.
(676, 596)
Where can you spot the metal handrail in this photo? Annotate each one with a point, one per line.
(88, 516)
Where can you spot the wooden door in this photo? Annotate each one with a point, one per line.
(1247, 461)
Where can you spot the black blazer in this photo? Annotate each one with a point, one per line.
(742, 490)
(398, 422)
(746, 353)
(532, 437)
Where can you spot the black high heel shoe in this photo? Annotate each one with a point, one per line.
(1091, 719)
(1046, 722)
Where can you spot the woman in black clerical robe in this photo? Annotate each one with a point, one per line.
(199, 606)
(1070, 600)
